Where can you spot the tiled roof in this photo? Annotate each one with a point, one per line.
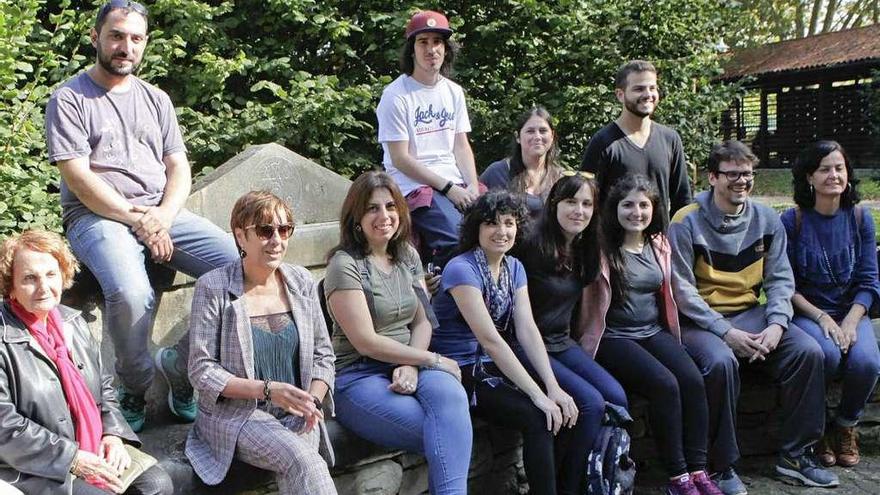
(822, 50)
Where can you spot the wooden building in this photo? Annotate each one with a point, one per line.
(798, 91)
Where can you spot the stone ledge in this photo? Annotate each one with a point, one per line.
(362, 467)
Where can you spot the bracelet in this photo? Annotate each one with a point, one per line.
(819, 316)
(267, 392)
(446, 188)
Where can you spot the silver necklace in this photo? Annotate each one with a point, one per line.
(399, 299)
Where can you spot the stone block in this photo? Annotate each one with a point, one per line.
(314, 192)
(415, 480)
(379, 478)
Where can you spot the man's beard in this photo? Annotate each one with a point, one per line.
(633, 108)
(107, 63)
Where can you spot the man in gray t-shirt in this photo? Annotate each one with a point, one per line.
(125, 178)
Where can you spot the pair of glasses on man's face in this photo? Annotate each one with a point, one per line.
(266, 231)
(734, 175)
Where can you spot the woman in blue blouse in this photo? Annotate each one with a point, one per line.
(833, 255)
(533, 165)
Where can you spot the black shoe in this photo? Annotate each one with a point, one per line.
(804, 469)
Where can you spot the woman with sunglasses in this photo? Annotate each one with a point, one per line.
(261, 358)
(832, 250)
(390, 389)
(561, 256)
(629, 321)
(533, 164)
(484, 317)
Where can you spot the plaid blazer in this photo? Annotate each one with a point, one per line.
(221, 347)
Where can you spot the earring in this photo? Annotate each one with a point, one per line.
(357, 228)
(848, 186)
(241, 253)
(812, 190)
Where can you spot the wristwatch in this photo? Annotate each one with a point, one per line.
(446, 188)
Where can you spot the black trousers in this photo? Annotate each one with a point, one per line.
(502, 404)
(660, 369)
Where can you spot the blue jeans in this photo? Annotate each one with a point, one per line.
(434, 421)
(119, 261)
(438, 226)
(858, 367)
(591, 387)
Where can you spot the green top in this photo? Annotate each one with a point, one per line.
(394, 300)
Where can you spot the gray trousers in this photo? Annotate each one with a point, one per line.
(795, 365)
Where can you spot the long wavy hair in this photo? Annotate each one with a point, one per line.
(351, 237)
(407, 54)
(549, 240)
(487, 208)
(613, 233)
(808, 161)
(551, 159)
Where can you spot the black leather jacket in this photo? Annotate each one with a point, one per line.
(37, 436)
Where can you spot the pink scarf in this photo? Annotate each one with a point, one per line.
(83, 410)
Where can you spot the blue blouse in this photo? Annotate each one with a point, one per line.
(833, 258)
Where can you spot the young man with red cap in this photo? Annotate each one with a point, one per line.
(423, 126)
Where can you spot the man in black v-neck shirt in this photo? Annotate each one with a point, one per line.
(635, 144)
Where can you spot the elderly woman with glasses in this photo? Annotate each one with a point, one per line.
(261, 358)
(61, 431)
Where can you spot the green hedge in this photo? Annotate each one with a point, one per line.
(308, 74)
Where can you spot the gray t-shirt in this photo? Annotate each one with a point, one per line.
(637, 315)
(125, 135)
(393, 296)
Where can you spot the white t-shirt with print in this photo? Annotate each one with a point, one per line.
(428, 117)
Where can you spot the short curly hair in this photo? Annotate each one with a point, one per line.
(487, 208)
(41, 241)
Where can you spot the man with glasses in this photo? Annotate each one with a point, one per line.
(124, 180)
(726, 249)
(635, 144)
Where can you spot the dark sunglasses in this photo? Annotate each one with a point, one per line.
(266, 231)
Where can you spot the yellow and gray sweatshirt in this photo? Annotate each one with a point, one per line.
(721, 262)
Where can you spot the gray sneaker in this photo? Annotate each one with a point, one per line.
(805, 470)
(729, 483)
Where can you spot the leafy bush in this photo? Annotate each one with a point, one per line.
(308, 75)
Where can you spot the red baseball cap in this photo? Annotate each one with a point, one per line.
(428, 21)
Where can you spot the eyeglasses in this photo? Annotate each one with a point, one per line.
(121, 4)
(733, 175)
(266, 231)
(572, 173)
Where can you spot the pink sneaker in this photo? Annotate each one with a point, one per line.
(682, 486)
(704, 485)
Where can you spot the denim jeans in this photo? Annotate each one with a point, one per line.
(858, 367)
(433, 421)
(591, 387)
(438, 226)
(119, 261)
